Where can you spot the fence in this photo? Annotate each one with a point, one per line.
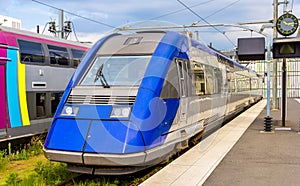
(293, 76)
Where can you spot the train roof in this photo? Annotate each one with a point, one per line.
(216, 53)
(138, 43)
(152, 38)
(42, 37)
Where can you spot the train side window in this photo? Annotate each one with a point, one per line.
(198, 80)
(171, 85)
(254, 85)
(181, 63)
(40, 105)
(218, 81)
(243, 83)
(31, 52)
(58, 55)
(55, 98)
(230, 81)
(209, 78)
(214, 81)
(77, 56)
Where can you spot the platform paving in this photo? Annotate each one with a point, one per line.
(264, 159)
(235, 154)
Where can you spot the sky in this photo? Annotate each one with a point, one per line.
(108, 15)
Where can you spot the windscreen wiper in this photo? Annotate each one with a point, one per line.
(99, 75)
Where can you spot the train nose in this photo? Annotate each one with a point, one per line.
(95, 136)
(117, 137)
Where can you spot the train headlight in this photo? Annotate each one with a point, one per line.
(69, 111)
(120, 112)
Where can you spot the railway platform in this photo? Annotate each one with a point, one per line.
(241, 154)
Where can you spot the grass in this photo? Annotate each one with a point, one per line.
(3, 159)
(18, 164)
(23, 167)
(28, 167)
(36, 170)
(40, 174)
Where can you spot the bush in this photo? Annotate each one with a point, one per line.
(52, 173)
(36, 146)
(19, 155)
(13, 179)
(3, 159)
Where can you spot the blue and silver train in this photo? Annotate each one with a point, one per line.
(138, 98)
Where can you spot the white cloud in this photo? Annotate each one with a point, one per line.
(119, 12)
(87, 37)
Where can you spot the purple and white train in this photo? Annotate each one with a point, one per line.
(34, 72)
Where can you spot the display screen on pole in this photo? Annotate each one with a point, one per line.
(287, 48)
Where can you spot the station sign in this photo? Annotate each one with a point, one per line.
(251, 48)
(286, 47)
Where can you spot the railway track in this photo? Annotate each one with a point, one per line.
(20, 141)
(130, 179)
(73, 180)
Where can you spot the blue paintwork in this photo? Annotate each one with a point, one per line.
(172, 107)
(55, 133)
(104, 138)
(12, 88)
(94, 112)
(151, 116)
(149, 111)
(67, 134)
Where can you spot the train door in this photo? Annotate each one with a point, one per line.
(3, 103)
(182, 74)
(4, 121)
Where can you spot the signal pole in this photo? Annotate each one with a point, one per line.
(60, 23)
(275, 104)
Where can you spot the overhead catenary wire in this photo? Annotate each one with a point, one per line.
(218, 11)
(206, 22)
(180, 10)
(221, 9)
(98, 22)
(74, 32)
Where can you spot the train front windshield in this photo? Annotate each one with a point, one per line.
(116, 71)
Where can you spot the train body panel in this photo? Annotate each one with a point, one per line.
(137, 99)
(32, 77)
(3, 100)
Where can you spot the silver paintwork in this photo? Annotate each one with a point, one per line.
(55, 78)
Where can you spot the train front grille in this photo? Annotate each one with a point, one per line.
(101, 99)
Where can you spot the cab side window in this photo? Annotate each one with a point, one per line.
(171, 83)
